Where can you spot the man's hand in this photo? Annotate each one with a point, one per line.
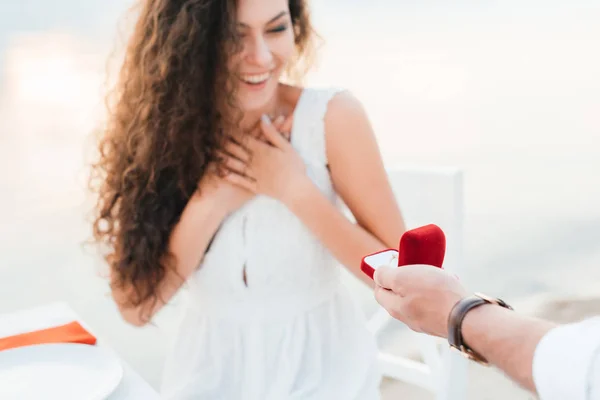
(421, 296)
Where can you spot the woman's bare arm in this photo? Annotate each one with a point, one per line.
(360, 179)
(189, 240)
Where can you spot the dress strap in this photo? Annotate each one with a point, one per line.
(309, 122)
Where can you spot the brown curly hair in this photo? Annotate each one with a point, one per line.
(165, 127)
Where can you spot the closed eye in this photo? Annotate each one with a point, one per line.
(279, 29)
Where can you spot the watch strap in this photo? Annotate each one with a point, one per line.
(456, 318)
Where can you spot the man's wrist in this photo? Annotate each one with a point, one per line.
(475, 319)
(461, 325)
(476, 323)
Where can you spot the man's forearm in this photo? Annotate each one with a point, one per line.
(506, 339)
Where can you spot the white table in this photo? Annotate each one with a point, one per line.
(132, 386)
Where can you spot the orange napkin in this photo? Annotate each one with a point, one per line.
(70, 333)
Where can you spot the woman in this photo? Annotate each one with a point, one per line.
(199, 185)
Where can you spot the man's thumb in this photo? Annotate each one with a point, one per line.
(385, 276)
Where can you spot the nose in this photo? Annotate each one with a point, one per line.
(260, 52)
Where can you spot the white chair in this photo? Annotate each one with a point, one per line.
(427, 195)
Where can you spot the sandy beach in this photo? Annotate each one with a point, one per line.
(508, 93)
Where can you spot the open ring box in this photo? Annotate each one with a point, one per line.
(423, 245)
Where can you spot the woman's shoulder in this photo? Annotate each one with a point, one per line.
(329, 93)
(345, 117)
(340, 105)
(294, 94)
(331, 102)
(337, 109)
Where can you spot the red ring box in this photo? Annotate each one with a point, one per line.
(423, 245)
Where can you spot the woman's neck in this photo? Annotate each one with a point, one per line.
(252, 117)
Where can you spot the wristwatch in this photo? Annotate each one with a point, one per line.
(455, 320)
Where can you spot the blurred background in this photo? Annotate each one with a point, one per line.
(507, 91)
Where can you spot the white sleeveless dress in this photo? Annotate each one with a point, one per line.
(290, 330)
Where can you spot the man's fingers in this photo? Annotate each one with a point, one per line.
(387, 277)
(392, 302)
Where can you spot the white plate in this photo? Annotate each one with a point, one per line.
(62, 371)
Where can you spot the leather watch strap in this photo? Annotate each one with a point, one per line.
(456, 318)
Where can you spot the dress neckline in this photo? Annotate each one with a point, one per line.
(297, 113)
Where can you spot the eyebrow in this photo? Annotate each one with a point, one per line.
(275, 18)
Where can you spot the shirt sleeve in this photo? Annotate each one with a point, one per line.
(566, 363)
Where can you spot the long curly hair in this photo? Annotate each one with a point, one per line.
(165, 126)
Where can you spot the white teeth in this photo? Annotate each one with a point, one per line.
(256, 79)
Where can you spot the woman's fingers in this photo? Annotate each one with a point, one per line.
(278, 122)
(241, 181)
(238, 151)
(231, 163)
(281, 124)
(286, 127)
(273, 136)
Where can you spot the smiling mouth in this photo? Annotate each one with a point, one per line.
(255, 79)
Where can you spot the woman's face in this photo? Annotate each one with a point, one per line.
(267, 37)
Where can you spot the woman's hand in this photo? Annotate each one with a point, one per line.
(282, 124)
(272, 168)
(228, 194)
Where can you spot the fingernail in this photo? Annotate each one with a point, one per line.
(265, 118)
(279, 119)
